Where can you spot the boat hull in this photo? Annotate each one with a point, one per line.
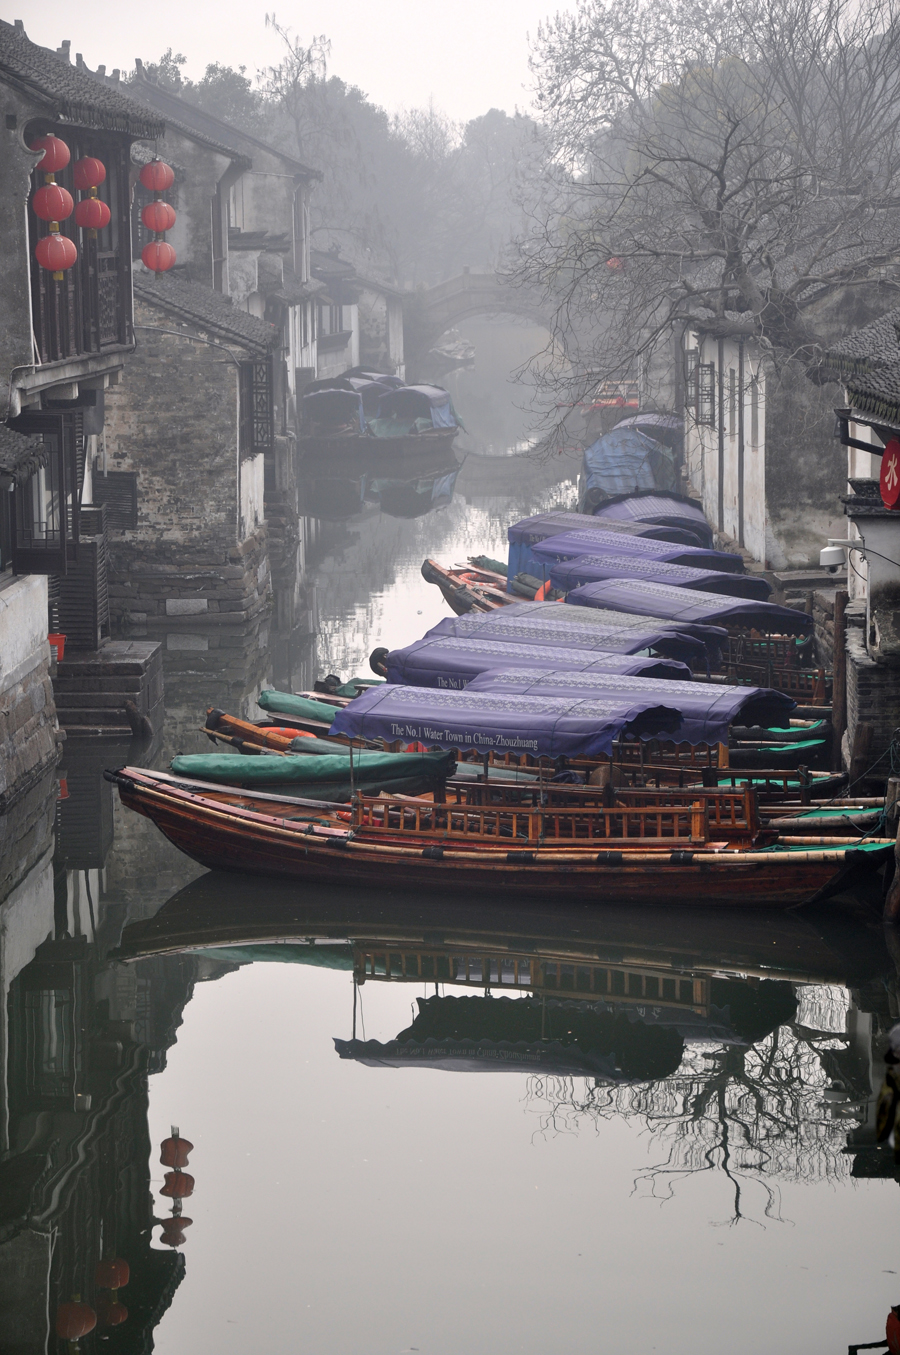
(220, 837)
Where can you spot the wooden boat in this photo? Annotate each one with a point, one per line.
(468, 589)
(697, 846)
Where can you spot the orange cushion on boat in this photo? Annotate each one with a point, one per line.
(285, 731)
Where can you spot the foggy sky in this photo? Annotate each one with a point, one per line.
(467, 56)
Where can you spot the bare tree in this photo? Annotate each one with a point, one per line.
(734, 165)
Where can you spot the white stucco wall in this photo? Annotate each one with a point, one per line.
(252, 473)
(23, 625)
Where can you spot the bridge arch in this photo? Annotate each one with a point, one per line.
(430, 312)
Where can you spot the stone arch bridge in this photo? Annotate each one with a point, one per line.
(430, 312)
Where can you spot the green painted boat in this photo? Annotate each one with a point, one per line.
(321, 778)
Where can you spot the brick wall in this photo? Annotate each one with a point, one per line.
(173, 420)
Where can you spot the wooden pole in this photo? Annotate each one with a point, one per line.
(839, 682)
(892, 897)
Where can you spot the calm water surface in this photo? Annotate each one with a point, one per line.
(598, 1130)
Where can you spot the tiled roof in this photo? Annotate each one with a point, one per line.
(205, 308)
(197, 120)
(868, 364)
(68, 92)
(19, 455)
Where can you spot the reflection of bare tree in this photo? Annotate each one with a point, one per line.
(755, 1115)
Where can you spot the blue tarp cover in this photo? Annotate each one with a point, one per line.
(598, 568)
(545, 726)
(418, 402)
(452, 662)
(682, 605)
(707, 710)
(612, 638)
(599, 540)
(625, 461)
(670, 509)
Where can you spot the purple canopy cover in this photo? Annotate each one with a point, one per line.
(599, 540)
(613, 639)
(681, 605)
(598, 568)
(544, 726)
(668, 509)
(707, 710)
(452, 662)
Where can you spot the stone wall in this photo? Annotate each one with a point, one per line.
(199, 548)
(27, 712)
(873, 697)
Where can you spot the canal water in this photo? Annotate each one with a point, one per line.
(436, 1124)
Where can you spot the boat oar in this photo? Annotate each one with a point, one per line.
(242, 744)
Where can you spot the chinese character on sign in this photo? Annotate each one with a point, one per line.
(890, 475)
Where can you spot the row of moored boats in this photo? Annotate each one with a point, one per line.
(617, 712)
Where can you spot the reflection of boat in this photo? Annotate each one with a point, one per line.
(335, 493)
(631, 956)
(669, 847)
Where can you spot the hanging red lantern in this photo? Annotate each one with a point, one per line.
(52, 203)
(158, 216)
(113, 1273)
(179, 1185)
(74, 1320)
(158, 256)
(157, 176)
(89, 173)
(56, 154)
(111, 1313)
(173, 1230)
(55, 253)
(92, 214)
(892, 1331)
(174, 1152)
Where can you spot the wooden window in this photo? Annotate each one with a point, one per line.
(257, 407)
(705, 412)
(691, 372)
(44, 516)
(118, 491)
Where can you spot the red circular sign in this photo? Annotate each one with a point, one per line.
(890, 475)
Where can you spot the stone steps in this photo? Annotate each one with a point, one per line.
(91, 688)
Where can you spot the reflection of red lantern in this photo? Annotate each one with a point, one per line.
(113, 1273)
(179, 1185)
(52, 203)
(56, 154)
(158, 216)
(89, 173)
(157, 176)
(158, 256)
(92, 214)
(74, 1320)
(174, 1152)
(173, 1230)
(55, 253)
(111, 1313)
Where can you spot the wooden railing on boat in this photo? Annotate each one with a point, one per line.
(619, 983)
(652, 825)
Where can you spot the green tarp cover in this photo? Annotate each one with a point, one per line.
(285, 703)
(269, 770)
(324, 957)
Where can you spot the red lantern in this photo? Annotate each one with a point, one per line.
(92, 214)
(173, 1230)
(111, 1312)
(179, 1185)
(89, 173)
(158, 216)
(113, 1273)
(158, 256)
(55, 253)
(56, 154)
(74, 1320)
(174, 1152)
(157, 176)
(892, 1332)
(52, 203)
